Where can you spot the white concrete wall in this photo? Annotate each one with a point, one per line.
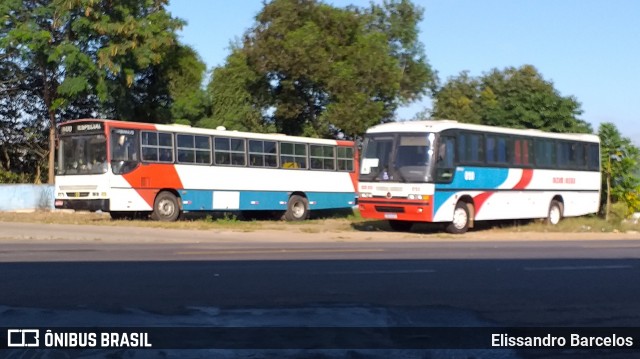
(18, 197)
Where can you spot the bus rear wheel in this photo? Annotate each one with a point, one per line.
(461, 219)
(166, 207)
(297, 208)
(401, 226)
(555, 213)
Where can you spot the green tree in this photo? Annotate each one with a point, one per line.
(21, 139)
(230, 91)
(513, 97)
(164, 92)
(78, 54)
(309, 68)
(185, 72)
(459, 99)
(620, 160)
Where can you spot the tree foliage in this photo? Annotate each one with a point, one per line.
(309, 68)
(162, 93)
(82, 58)
(185, 73)
(21, 136)
(230, 90)
(620, 161)
(513, 97)
(22, 142)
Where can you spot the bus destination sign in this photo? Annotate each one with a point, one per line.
(82, 127)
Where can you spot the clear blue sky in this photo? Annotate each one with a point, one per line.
(589, 49)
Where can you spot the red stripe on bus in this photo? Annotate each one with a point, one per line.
(480, 199)
(356, 162)
(129, 125)
(525, 179)
(356, 170)
(148, 179)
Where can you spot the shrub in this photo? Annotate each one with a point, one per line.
(12, 177)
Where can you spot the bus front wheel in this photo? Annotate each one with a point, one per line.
(166, 208)
(555, 213)
(461, 219)
(297, 208)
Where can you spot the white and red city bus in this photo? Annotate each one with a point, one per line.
(456, 173)
(127, 168)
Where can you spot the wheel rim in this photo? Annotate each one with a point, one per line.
(554, 215)
(298, 209)
(166, 208)
(459, 218)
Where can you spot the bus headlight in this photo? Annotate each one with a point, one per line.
(418, 196)
(365, 195)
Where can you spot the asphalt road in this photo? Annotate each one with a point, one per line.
(503, 281)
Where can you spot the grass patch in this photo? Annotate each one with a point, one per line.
(321, 222)
(575, 224)
(202, 221)
(583, 224)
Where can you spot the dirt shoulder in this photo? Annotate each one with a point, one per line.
(87, 226)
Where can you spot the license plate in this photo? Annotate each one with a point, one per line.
(390, 216)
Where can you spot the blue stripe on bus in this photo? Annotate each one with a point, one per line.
(202, 200)
(439, 198)
(482, 179)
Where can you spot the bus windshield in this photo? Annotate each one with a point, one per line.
(82, 155)
(397, 158)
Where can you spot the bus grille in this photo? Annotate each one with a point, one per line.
(389, 209)
(77, 194)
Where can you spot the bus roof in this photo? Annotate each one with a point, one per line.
(441, 125)
(212, 132)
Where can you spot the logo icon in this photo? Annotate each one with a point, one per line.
(23, 338)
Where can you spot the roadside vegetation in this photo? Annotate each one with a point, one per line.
(224, 221)
(333, 222)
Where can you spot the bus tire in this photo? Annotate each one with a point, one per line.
(555, 213)
(461, 219)
(401, 226)
(166, 207)
(297, 208)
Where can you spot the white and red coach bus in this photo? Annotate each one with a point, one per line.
(456, 173)
(127, 168)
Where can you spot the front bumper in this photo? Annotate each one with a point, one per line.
(397, 209)
(83, 204)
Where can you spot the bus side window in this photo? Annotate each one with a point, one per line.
(444, 162)
(166, 155)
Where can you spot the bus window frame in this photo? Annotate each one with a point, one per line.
(435, 159)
